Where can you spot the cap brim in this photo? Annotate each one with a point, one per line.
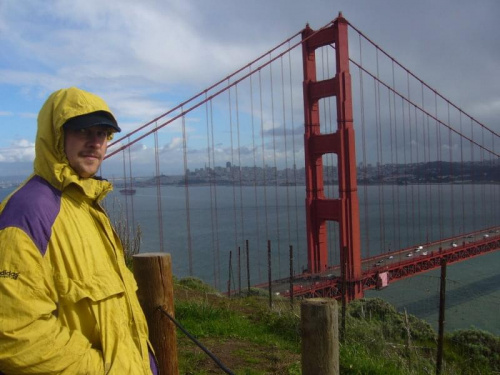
(99, 118)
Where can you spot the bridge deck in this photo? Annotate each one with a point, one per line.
(393, 266)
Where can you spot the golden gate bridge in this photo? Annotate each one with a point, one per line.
(273, 155)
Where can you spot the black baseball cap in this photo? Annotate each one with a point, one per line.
(102, 118)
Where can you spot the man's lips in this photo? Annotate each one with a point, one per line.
(90, 156)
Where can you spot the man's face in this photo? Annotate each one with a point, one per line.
(85, 149)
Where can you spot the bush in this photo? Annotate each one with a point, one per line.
(477, 348)
(196, 284)
(389, 321)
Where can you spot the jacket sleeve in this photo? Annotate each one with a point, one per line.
(32, 340)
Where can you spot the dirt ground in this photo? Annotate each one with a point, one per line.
(239, 357)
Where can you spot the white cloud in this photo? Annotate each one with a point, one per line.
(146, 57)
(20, 150)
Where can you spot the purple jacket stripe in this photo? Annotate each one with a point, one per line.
(33, 209)
(152, 364)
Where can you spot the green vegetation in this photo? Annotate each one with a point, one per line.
(250, 338)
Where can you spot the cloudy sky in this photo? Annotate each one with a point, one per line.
(144, 57)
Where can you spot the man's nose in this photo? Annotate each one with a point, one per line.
(96, 139)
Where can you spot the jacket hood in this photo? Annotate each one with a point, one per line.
(50, 159)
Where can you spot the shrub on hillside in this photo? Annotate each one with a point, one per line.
(194, 283)
(391, 323)
(477, 347)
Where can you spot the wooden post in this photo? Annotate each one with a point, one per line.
(291, 276)
(153, 272)
(269, 273)
(230, 274)
(442, 309)
(320, 336)
(248, 267)
(239, 271)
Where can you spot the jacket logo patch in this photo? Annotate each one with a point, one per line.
(9, 274)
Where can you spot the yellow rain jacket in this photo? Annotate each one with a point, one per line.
(68, 303)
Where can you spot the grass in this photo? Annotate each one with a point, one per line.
(249, 338)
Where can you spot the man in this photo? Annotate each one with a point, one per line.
(68, 303)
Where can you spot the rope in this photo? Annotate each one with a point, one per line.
(200, 345)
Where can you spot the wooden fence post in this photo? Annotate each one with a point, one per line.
(320, 336)
(153, 272)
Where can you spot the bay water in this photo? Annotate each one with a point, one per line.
(204, 227)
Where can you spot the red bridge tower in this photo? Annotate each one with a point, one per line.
(345, 209)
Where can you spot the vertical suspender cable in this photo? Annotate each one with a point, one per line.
(211, 172)
(452, 179)
(297, 247)
(464, 227)
(131, 184)
(494, 188)
(425, 141)
(397, 244)
(286, 155)
(215, 199)
(242, 222)
(418, 206)
(363, 142)
(232, 169)
(430, 211)
(407, 224)
(273, 125)
(186, 192)
(379, 167)
(473, 177)
(264, 166)
(485, 222)
(412, 184)
(380, 158)
(440, 163)
(393, 222)
(256, 201)
(125, 186)
(158, 190)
